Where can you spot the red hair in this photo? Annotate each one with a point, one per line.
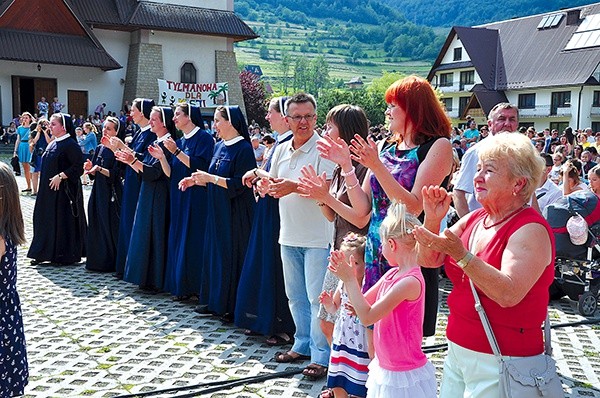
(422, 107)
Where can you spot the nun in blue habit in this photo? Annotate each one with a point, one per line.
(230, 209)
(262, 305)
(104, 205)
(142, 137)
(190, 153)
(59, 225)
(147, 256)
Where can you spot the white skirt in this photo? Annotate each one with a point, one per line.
(416, 383)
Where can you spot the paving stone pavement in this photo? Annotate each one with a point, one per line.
(90, 335)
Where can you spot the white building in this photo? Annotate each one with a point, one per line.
(88, 52)
(547, 65)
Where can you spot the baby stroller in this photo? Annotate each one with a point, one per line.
(577, 263)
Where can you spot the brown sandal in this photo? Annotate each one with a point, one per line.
(327, 393)
(286, 357)
(315, 372)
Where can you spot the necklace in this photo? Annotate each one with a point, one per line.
(503, 219)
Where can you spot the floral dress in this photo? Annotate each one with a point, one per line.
(403, 164)
(14, 371)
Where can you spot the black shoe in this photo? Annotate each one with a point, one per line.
(35, 262)
(118, 275)
(202, 309)
(226, 318)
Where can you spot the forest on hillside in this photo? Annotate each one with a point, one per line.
(468, 13)
(363, 23)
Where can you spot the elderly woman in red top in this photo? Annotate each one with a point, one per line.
(507, 250)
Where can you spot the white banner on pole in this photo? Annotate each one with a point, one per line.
(204, 95)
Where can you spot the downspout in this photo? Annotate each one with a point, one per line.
(579, 107)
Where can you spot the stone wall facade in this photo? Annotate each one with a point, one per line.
(144, 67)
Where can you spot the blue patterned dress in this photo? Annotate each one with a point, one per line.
(14, 371)
(403, 164)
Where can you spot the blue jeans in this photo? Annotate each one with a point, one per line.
(303, 273)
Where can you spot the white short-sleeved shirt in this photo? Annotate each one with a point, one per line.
(302, 223)
(547, 194)
(464, 180)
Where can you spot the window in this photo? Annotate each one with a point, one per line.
(596, 127)
(560, 99)
(447, 104)
(446, 79)
(188, 73)
(559, 126)
(466, 78)
(458, 54)
(462, 104)
(526, 124)
(596, 100)
(527, 101)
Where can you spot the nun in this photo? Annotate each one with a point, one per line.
(59, 225)
(146, 259)
(230, 209)
(104, 205)
(141, 139)
(188, 212)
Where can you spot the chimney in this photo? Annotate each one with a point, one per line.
(573, 17)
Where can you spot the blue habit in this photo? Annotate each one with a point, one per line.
(104, 207)
(131, 192)
(227, 226)
(188, 217)
(147, 256)
(262, 304)
(59, 225)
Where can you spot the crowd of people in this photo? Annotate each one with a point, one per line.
(328, 244)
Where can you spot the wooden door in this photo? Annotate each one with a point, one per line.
(44, 88)
(77, 103)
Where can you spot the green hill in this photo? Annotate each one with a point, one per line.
(468, 13)
(356, 38)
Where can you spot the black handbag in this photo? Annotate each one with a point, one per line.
(14, 162)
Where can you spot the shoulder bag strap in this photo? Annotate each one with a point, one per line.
(486, 324)
(490, 333)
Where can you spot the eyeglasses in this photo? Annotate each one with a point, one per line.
(297, 119)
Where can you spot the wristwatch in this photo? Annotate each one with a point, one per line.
(216, 180)
(463, 262)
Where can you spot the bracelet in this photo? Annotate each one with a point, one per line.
(320, 204)
(177, 152)
(352, 171)
(133, 162)
(59, 176)
(254, 171)
(352, 186)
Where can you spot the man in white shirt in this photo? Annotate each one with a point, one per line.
(548, 192)
(502, 117)
(305, 234)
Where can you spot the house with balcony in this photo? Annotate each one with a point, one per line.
(547, 64)
(88, 52)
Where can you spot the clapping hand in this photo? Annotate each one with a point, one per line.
(202, 178)
(312, 185)
(436, 202)
(116, 143)
(326, 298)
(124, 156)
(156, 151)
(186, 183)
(335, 150)
(87, 165)
(340, 267)
(170, 144)
(364, 152)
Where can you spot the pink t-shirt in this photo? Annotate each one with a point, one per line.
(398, 336)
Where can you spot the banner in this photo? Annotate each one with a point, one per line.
(204, 95)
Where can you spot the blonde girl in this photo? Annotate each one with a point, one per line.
(395, 305)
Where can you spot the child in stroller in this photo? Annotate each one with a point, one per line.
(575, 220)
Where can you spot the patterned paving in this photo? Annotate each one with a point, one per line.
(90, 335)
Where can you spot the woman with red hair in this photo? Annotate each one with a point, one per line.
(415, 156)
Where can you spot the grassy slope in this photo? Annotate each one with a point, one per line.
(248, 53)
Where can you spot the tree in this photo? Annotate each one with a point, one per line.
(318, 75)
(253, 91)
(263, 53)
(284, 68)
(301, 74)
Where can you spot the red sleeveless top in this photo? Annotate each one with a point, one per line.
(517, 329)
